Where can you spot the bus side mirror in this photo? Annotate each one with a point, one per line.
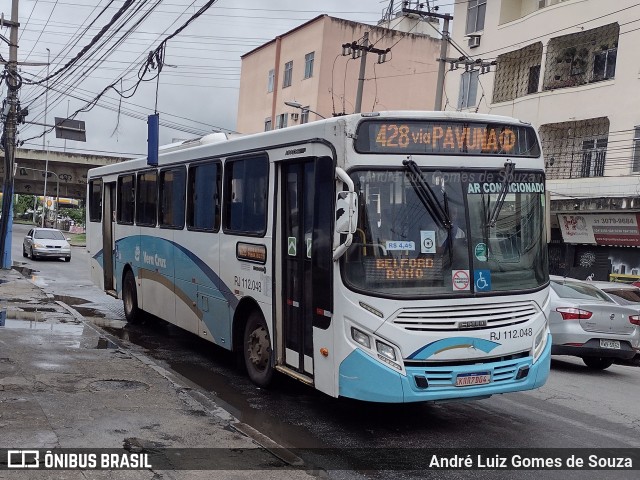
(346, 213)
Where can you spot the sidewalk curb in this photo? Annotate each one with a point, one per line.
(196, 399)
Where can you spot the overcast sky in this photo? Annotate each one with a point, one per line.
(198, 87)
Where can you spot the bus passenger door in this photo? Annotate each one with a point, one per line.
(305, 240)
(108, 246)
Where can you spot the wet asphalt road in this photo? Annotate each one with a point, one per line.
(577, 408)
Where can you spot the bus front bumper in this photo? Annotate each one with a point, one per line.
(363, 378)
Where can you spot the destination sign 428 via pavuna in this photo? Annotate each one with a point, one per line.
(459, 138)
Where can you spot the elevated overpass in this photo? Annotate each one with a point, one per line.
(69, 169)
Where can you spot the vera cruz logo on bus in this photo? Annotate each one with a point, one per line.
(154, 260)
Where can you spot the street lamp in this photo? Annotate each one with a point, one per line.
(295, 104)
(44, 200)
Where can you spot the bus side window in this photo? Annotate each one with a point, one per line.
(147, 198)
(172, 196)
(203, 208)
(95, 200)
(246, 187)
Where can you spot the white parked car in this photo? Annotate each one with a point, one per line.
(46, 242)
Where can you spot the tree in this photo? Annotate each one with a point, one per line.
(75, 214)
(22, 204)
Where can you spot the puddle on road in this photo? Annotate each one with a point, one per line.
(77, 303)
(105, 344)
(57, 328)
(71, 301)
(39, 281)
(107, 323)
(70, 329)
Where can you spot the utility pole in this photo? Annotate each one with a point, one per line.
(13, 85)
(46, 175)
(44, 136)
(443, 50)
(353, 49)
(443, 54)
(363, 67)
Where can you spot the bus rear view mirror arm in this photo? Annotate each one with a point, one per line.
(346, 213)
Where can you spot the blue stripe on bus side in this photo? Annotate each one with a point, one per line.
(128, 244)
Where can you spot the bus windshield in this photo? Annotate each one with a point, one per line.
(404, 248)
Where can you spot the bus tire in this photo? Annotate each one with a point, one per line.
(130, 298)
(257, 350)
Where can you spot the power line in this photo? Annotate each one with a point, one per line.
(45, 26)
(154, 62)
(86, 48)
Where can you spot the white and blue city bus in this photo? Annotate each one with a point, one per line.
(387, 257)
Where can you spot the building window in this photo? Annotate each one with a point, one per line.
(593, 157)
(281, 120)
(534, 79)
(636, 150)
(468, 89)
(267, 124)
(475, 15)
(203, 206)
(271, 80)
(308, 65)
(604, 64)
(172, 198)
(288, 73)
(246, 187)
(95, 200)
(304, 115)
(126, 199)
(147, 198)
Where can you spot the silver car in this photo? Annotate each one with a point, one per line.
(621, 293)
(46, 242)
(586, 322)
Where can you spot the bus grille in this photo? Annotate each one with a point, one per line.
(476, 317)
(445, 378)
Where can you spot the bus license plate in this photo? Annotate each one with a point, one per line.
(610, 344)
(468, 379)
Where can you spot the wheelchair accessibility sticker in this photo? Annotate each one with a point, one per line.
(482, 280)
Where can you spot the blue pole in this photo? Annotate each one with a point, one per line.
(6, 255)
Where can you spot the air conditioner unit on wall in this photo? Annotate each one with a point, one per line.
(474, 41)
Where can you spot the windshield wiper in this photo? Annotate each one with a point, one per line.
(509, 167)
(427, 196)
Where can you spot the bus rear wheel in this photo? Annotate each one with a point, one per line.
(130, 298)
(257, 350)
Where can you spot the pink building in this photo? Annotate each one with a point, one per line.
(306, 66)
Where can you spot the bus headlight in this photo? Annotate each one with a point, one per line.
(386, 350)
(540, 341)
(360, 337)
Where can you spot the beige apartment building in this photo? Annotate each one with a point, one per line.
(306, 65)
(569, 67)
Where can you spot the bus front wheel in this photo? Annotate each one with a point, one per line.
(257, 350)
(130, 298)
